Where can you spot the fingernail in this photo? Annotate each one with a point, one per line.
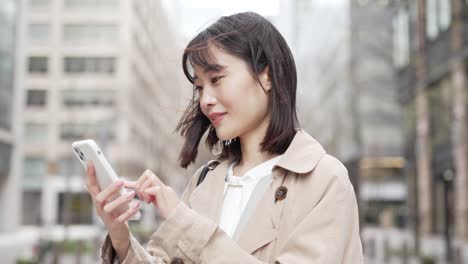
(137, 204)
(130, 194)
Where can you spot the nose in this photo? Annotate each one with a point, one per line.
(207, 100)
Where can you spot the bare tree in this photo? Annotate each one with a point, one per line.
(459, 121)
(423, 149)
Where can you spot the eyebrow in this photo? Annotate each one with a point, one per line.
(212, 68)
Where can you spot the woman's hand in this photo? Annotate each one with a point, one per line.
(115, 221)
(152, 190)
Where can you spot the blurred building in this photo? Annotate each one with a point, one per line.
(106, 70)
(7, 66)
(437, 209)
(348, 100)
(12, 240)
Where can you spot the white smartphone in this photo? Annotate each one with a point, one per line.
(86, 150)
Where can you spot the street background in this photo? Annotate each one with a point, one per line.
(382, 85)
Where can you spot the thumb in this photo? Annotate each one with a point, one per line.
(153, 190)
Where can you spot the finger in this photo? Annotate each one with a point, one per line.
(130, 184)
(155, 190)
(141, 180)
(109, 191)
(91, 182)
(157, 180)
(144, 177)
(108, 208)
(153, 194)
(148, 183)
(129, 213)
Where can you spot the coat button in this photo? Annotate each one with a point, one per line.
(280, 193)
(177, 261)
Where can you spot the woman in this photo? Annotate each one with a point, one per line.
(275, 197)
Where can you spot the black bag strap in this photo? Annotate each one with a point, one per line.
(210, 165)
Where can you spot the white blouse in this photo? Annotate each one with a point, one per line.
(238, 190)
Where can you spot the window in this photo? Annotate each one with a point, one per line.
(38, 65)
(89, 65)
(32, 207)
(74, 131)
(39, 32)
(70, 166)
(432, 29)
(35, 133)
(84, 98)
(90, 4)
(89, 33)
(38, 4)
(5, 158)
(34, 171)
(401, 40)
(5, 106)
(438, 17)
(36, 98)
(445, 15)
(75, 208)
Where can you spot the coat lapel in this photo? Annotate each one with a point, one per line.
(263, 224)
(261, 227)
(207, 198)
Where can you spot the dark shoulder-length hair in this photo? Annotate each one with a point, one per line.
(255, 40)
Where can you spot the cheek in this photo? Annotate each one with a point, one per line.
(203, 109)
(248, 101)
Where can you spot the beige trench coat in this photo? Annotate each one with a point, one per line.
(315, 221)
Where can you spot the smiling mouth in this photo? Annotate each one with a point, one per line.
(216, 119)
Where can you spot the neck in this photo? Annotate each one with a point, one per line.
(250, 147)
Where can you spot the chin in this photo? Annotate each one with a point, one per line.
(224, 135)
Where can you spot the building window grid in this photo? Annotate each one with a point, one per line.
(36, 98)
(35, 133)
(401, 38)
(83, 98)
(98, 65)
(38, 64)
(79, 131)
(39, 4)
(39, 33)
(438, 17)
(91, 4)
(90, 33)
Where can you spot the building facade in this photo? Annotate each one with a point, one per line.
(106, 70)
(431, 47)
(348, 101)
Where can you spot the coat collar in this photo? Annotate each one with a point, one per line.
(302, 155)
(207, 198)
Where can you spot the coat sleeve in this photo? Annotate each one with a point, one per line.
(328, 234)
(136, 252)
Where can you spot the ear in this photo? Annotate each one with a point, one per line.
(265, 79)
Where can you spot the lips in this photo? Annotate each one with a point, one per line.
(216, 117)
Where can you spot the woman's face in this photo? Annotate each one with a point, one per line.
(231, 97)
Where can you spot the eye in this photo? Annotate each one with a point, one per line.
(198, 88)
(214, 80)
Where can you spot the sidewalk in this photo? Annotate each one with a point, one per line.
(21, 243)
(392, 245)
